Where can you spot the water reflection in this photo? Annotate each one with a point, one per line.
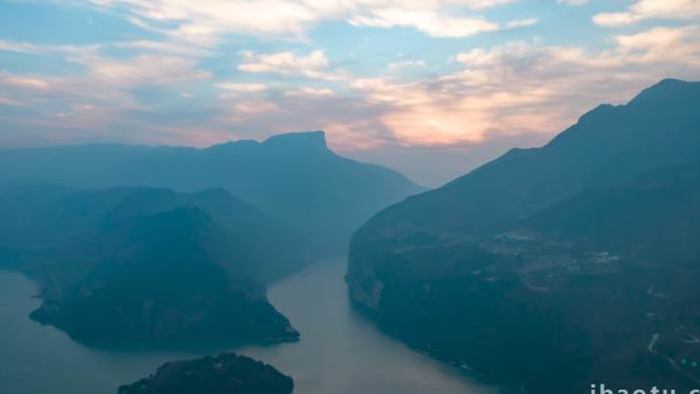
(340, 351)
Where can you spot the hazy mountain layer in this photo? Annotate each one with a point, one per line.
(293, 177)
(556, 267)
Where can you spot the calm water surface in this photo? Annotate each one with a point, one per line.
(340, 352)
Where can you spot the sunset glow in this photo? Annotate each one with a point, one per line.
(375, 74)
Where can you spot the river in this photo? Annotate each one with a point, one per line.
(340, 352)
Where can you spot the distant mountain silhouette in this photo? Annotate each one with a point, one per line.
(556, 267)
(292, 177)
(221, 374)
(149, 268)
(608, 145)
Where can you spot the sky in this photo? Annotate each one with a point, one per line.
(432, 88)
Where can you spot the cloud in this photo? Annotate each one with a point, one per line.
(102, 93)
(446, 110)
(156, 63)
(677, 46)
(21, 81)
(9, 102)
(312, 65)
(242, 87)
(505, 91)
(573, 2)
(283, 62)
(519, 23)
(170, 48)
(307, 91)
(397, 66)
(651, 9)
(434, 18)
(203, 23)
(242, 110)
(528, 88)
(143, 70)
(350, 120)
(430, 22)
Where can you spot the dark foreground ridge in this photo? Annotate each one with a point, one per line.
(556, 267)
(222, 374)
(138, 268)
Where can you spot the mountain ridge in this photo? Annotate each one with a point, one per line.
(563, 182)
(295, 178)
(500, 248)
(135, 268)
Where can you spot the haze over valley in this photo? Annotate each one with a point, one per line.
(340, 197)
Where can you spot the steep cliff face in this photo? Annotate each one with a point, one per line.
(554, 267)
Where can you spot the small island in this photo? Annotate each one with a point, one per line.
(227, 373)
